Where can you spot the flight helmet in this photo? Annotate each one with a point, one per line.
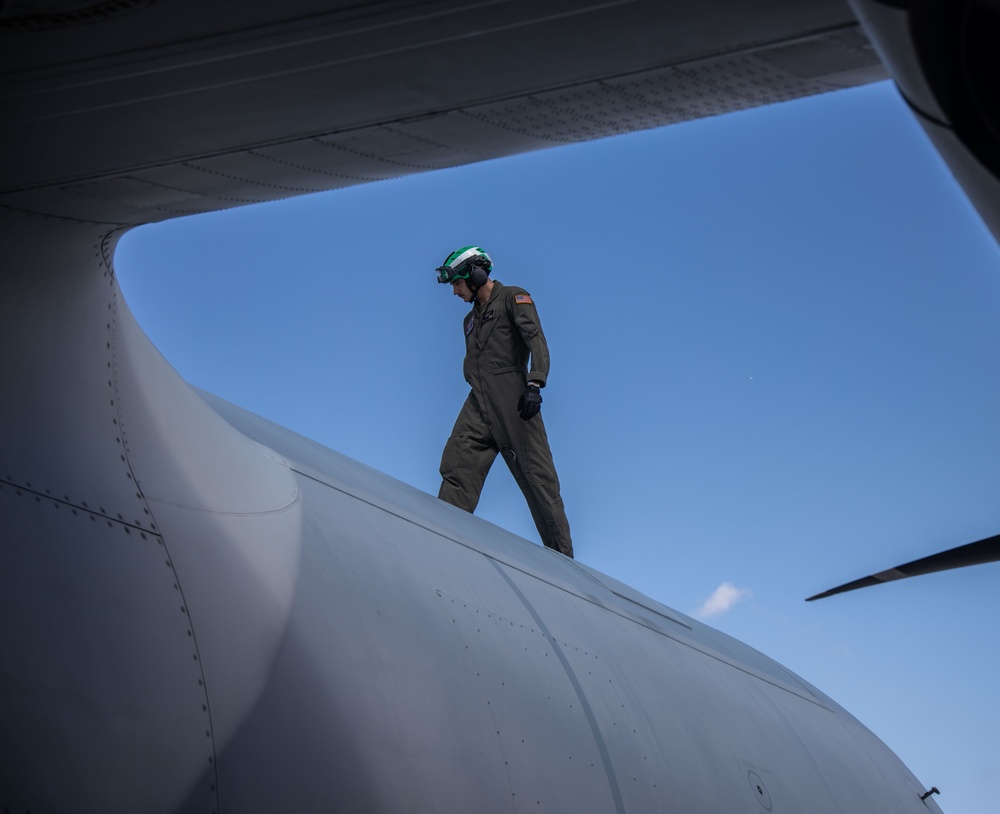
(469, 263)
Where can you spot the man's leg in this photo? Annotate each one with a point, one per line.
(467, 458)
(535, 472)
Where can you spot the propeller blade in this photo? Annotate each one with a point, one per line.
(982, 551)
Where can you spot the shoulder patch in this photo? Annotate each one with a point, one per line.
(523, 299)
(470, 323)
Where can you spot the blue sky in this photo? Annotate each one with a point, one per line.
(774, 344)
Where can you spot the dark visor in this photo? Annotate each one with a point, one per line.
(447, 274)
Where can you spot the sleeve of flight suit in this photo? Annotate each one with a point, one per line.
(525, 317)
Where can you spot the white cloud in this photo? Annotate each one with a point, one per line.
(722, 599)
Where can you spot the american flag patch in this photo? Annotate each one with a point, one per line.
(522, 299)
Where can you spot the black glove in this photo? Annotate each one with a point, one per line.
(530, 402)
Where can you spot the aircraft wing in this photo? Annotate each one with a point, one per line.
(138, 111)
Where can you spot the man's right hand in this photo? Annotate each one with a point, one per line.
(530, 402)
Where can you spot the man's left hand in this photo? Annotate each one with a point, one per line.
(530, 402)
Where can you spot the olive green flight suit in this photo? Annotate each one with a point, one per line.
(499, 338)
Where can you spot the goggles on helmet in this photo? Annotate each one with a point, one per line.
(458, 265)
(446, 274)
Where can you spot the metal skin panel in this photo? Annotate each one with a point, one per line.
(486, 714)
(369, 706)
(524, 684)
(701, 719)
(57, 326)
(177, 108)
(271, 626)
(110, 441)
(182, 452)
(105, 705)
(146, 75)
(239, 576)
(674, 714)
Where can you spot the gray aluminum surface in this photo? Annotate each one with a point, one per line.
(206, 612)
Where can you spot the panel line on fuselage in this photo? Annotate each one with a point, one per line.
(588, 712)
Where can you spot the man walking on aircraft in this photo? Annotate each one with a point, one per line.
(501, 414)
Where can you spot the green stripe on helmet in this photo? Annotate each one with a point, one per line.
(458, 265)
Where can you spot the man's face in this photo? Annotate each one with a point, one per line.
(460, 288)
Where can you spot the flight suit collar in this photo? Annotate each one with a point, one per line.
(497, 285)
